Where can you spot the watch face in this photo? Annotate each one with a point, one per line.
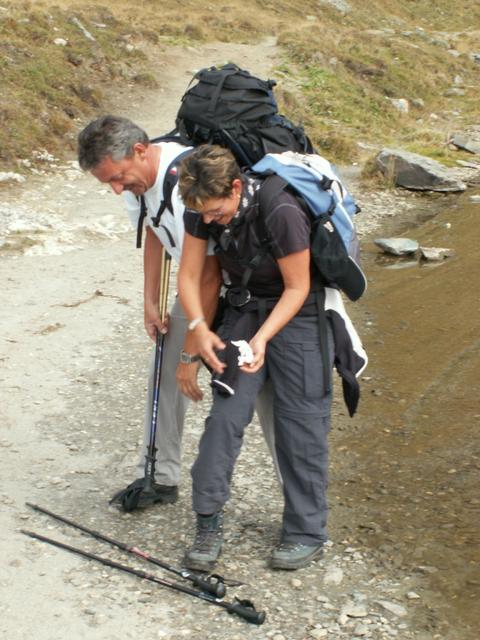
(186, 358)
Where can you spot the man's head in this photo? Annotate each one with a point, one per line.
(117, 151)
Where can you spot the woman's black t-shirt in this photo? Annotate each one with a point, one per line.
(240, 241)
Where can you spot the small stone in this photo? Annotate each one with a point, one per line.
(318, 633)
(411, 595)
(333, 575)
(401, 104)
(296, 583)
(360, 630)
(435, 254)
(322, 599)
(392, 607)
(475, 199)
(353, 610)
(60, 42)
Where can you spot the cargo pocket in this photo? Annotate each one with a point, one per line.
(313, 378)
(297, 377)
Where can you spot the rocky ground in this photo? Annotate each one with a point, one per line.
(74, 358)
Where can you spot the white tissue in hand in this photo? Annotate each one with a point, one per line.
(246, 354)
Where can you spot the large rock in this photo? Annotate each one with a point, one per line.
(416, 172)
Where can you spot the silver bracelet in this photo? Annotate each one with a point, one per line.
(195, 322)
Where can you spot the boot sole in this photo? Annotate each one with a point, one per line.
(291, 565)
(157, 500)
(198, 565)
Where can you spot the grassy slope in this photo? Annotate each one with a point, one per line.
(336, 76)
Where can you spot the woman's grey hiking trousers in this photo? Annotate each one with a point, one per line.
(301, 419)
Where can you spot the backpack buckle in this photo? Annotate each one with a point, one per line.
(238, 297)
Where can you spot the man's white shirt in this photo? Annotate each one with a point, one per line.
(171, 230)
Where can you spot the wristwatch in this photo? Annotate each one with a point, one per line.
(186, 358)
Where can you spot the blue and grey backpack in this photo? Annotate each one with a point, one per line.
(334, 243)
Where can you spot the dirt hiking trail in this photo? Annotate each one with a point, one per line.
(74, 359)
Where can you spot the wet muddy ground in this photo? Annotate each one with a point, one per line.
(415, 454)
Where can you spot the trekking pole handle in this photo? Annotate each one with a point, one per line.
(211, 584)
(246, 610)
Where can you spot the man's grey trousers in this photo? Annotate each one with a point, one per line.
(302, 406)
(172, 406)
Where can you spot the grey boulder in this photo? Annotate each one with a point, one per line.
(416, 172)
(467, 142)
(397, 246)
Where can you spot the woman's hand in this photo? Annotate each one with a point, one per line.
(207, 343)
(258, 344)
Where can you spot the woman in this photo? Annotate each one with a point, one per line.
(270, 304)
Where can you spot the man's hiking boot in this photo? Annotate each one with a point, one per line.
(205, 550)
(137, 496)
(292, 555)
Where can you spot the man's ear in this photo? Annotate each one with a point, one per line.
(140, 149)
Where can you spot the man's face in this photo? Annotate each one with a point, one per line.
(130, 174)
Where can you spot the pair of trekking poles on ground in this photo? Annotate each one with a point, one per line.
(210, 588)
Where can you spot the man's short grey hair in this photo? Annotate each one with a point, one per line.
(108, 136)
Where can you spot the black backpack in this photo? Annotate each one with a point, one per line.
(230, 107)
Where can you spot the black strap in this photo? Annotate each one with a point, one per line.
(238, 151)
(224, 74)
(141, 218)
(271, 186)
(323, 338)
(169, 182)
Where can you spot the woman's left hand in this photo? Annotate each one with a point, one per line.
(258, 346)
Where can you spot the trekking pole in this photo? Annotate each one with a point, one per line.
(243, 608)
(142, 491)
(150, 458)
(214, 583)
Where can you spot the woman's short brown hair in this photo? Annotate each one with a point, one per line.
(208, 172)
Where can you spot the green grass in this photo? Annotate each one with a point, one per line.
(336, 75)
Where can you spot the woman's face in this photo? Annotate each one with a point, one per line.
(222, 210)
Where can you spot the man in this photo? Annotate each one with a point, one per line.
(118, 152)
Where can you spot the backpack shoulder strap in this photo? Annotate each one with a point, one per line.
(169, 182)
(270, 187)
(141, 218)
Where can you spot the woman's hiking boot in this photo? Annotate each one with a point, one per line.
(293, 555)
(206, 547)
